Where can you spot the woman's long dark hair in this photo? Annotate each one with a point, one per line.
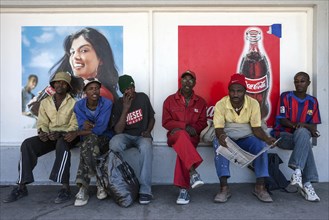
(106, 73)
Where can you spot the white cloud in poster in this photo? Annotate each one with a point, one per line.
(65, 31)
(61, 30)
(43, 60)
(25, 41)
(44, 38)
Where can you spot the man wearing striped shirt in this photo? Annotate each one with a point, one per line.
(296, 122)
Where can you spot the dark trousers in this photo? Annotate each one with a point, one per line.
(33, 147)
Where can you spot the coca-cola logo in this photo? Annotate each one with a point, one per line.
(50, 90)
(257, 85)
(210, 111)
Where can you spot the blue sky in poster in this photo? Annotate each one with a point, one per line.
(42, 47)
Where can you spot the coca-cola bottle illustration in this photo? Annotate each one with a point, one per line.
(34, 104)
(255, 66)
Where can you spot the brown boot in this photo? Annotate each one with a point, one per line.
(261, 193)
(223, 195)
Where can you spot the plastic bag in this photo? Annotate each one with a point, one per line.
(101, 171)
(123, 184)
(208, 134)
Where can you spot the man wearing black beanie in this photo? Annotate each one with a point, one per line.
(132, 121)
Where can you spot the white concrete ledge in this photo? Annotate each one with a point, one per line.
(163, 165)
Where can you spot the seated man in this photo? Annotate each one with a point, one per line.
(297, 116)
(184, 116)
(57, 127)
(93, 114)
(238, 117)
(132, 121)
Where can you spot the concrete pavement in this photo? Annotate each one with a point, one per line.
(243, 205)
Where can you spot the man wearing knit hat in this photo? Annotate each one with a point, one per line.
(57, 127)
(132, 121)
(184, 116)
(237, 116)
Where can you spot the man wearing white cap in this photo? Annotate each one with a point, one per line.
(93, 115)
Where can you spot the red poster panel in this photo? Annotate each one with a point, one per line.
(214, 53)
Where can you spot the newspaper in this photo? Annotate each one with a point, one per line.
(237, 155)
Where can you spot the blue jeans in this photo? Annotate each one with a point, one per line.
(302, 154)
(120, 142)
(250, 144)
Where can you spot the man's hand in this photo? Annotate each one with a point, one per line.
(191, 131)
(270, 140)
(87, 125)
(173, 131)
(310, 127)
(315, 133)
(127, 100)
(221, 140)
(146, 134)
(70, 136)
(54, 135)
(43, 136)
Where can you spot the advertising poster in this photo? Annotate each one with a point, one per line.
(46, 50)
(214, 53)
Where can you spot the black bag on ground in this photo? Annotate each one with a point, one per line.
(101, 170)
(123, 184)
(276, 180)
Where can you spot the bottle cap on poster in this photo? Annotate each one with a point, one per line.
(275, 29)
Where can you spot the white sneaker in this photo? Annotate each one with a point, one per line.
(101, 193)
(183, 197)
(296, 179)
(81, 197)
(309, 193)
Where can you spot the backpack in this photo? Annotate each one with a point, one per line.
(276, 180)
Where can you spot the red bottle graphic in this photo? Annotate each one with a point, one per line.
(255, 66)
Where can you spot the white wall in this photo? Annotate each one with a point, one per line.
(150, 55)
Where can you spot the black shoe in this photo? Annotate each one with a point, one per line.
(144, 199)
(63, 196)
(16, 194)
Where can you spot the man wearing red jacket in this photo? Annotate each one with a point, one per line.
(184, 116)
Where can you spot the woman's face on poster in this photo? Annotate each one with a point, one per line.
(83, 59)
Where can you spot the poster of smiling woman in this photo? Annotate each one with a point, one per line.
(83, 52)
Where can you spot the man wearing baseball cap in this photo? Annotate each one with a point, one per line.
(132, 121)
(57, 127)
(238, 117)
(184, 116)
(93, 114)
